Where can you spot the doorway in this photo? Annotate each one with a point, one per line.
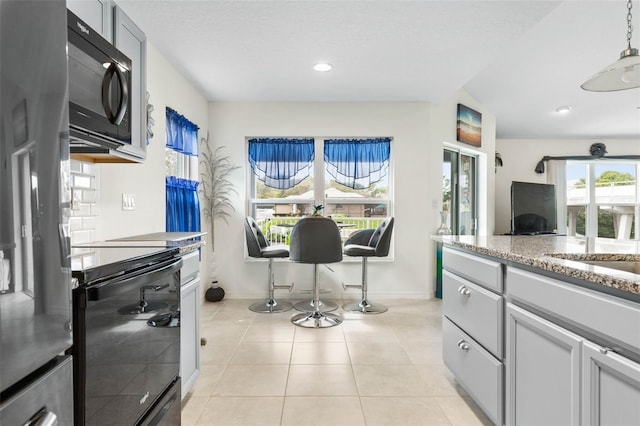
(459, 191)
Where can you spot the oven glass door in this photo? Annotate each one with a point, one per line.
(99, 82)
(127, 346)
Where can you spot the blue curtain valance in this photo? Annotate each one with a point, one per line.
(357, 163)
(182, 205)
(182, 134)
(281, 163)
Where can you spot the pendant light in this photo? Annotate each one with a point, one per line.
(622, 74)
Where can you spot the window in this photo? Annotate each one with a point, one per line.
(603, 199)
(180, 165)
(181, 186)
(181, 150)
(355, 189)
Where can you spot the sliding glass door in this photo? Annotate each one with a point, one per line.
(459, 191)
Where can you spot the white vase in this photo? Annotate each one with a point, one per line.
(444, 229)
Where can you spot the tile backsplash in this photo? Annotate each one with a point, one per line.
(85, 196)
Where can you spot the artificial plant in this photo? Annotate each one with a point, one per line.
(216, 188)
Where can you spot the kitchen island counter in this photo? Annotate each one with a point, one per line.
(561, 257)
(523, 312)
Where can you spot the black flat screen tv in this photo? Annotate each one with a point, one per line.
(533, 208)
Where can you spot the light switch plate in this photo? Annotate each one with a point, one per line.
(128, 202)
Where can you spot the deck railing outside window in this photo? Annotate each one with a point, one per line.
(278, 229)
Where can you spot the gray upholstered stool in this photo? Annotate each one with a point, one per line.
(316, 240)
(365, 244)
(258, 246)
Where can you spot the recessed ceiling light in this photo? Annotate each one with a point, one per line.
(564, 109)
(322, 67)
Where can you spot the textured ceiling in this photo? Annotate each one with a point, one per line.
(520, 58)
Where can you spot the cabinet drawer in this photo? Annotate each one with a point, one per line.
(615, 320)
(475, 368)
(474, 309)
(484, 272)
(190, 266)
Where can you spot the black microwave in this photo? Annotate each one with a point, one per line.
(99, 90)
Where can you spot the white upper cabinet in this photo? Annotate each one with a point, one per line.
(96, 13)
(131, 41)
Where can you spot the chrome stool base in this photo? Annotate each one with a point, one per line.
(270, 305)
(307, 306)
(365, 307)
(316, 320)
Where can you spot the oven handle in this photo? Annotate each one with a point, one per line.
(144, 277)
(43, 417)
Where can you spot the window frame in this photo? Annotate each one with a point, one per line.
(592, 206)
(186, 165)
(319, 186)
(454, 210)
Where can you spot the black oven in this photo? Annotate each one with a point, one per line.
(126, 336)
(99, 90)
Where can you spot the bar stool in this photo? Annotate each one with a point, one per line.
(315, 240)
(308, 306)
(259, 247)
(377, 245)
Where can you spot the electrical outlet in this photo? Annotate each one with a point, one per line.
(128, 202)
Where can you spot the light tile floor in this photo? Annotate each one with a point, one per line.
(385, 369)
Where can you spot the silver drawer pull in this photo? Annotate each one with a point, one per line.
(463, 290)
(464, 346)
(605, 351)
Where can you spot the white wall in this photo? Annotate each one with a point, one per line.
(146, 181)
(521, 156)
(417, 165)
(419, 131)
(443, 131)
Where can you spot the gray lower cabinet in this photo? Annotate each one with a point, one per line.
(479, 372)
(611, 388)
(189, 334)
(553, 362)
(484, 272)
(472, 327)
(476, 310)
(542, 363)
(524, 345)
(189, 320)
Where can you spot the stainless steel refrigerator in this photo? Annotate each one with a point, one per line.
(36, 386)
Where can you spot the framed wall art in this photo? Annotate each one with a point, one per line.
(469, 126)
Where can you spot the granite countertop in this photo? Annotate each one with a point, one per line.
(560, 255)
